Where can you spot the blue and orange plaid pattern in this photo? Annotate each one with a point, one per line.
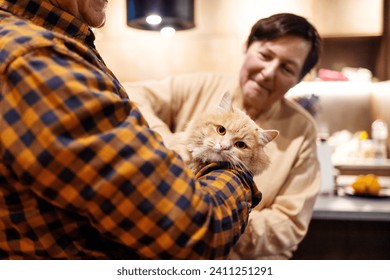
(81, 174)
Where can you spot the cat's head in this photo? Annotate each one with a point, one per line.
(230, 135)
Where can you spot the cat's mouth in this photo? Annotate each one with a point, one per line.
(217, 155)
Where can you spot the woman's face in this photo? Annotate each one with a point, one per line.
(92, 12)
(270, 69)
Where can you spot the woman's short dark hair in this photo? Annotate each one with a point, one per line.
(279, 25)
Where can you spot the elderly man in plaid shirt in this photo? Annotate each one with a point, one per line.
(82, 176)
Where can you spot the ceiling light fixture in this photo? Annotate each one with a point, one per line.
(153, 19)
(157, 14)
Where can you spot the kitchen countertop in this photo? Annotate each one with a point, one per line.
(342, 206)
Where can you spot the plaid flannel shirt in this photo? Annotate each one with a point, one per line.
(81, 174)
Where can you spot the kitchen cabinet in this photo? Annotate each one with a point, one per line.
(348, 18)
(336, 239)
(347, 227)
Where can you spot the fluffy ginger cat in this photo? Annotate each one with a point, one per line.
(224, 135)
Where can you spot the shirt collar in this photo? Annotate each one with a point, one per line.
(45, 14)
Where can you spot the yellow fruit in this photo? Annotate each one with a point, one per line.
(374, 187)
(369, 178)
(359, 186)
(366, 184)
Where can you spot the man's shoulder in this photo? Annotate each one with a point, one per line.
(22, 31)
(19, 36)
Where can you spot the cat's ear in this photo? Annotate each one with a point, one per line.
(268, 135)
(226, 102)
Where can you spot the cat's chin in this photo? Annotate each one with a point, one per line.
(204, 155)
(213, 157)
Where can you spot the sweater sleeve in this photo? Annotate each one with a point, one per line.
(275, 229)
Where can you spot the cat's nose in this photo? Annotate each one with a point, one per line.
(224, 146)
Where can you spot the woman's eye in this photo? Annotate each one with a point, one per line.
(221, 130)
(240, 145)
(265, 56)
(289, 70)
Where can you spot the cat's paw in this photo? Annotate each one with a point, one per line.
(177, 143)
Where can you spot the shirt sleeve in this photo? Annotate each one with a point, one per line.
(73, 142)
(156, 101)
(274, 232)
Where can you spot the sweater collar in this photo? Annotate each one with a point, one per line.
(238, 101)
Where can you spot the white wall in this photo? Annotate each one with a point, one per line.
(216, 44)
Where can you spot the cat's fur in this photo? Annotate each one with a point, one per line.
(224, 135)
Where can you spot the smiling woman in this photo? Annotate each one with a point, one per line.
(283, 48)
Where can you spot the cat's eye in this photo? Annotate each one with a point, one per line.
(240, 145)
(221, 130)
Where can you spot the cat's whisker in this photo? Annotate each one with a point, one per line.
(236, 162)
